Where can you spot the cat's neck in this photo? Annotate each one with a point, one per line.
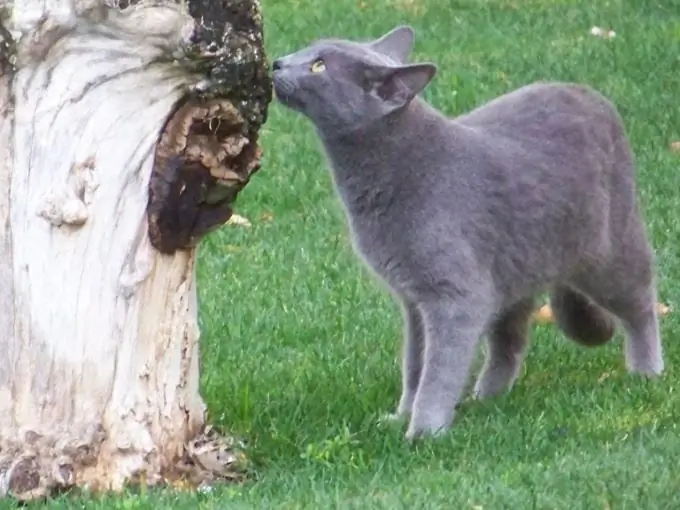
(395, 128)
(386, 140)
(364, 161)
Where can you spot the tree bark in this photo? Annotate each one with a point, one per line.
(125, 135)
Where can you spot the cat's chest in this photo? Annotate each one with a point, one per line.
(369, 235)
(377, 214)
(382, 244)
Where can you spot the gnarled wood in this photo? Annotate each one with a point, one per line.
(209, 147)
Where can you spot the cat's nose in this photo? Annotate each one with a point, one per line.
(277, 64)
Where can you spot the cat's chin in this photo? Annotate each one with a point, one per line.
(281, 95)
(289, 103)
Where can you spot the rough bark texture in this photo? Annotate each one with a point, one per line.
(105, 115)
(209, 147)
(7, 54)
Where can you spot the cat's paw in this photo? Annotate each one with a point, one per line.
(415, 432)
(396, 418)
(490, 386)
(649, 366)
(427, 427)
(650, 371)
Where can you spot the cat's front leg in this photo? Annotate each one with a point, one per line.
(452, 330)
(411, 360)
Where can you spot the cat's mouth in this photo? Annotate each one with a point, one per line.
(283, 91)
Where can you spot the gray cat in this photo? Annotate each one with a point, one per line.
(468, 219)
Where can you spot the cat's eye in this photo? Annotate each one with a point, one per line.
(319, 66)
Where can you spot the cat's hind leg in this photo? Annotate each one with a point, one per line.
(580, 318)
(627, 289)
(507, 341)
(638, 314)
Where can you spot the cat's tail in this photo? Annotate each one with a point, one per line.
(580, 318)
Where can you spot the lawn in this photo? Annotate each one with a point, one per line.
(300, 345)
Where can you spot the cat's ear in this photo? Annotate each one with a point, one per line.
(396, 44)
(399, 85)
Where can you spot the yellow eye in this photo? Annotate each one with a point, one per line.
(318, 66)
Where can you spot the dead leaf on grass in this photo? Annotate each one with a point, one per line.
(662, 309)
(604, 376)
(544, 314)
(238, 220)
(232, 248)
(415, 7)
(601, 32)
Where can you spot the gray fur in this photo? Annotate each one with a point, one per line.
(468, 219)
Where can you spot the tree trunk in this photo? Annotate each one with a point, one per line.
(124, 136)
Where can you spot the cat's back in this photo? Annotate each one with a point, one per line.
(550, 111)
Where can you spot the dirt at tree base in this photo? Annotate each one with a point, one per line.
(39, 469)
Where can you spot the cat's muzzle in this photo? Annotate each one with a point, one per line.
(284, 91)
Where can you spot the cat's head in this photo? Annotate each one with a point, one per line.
(344, 85)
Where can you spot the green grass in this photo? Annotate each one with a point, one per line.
(300, 344)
